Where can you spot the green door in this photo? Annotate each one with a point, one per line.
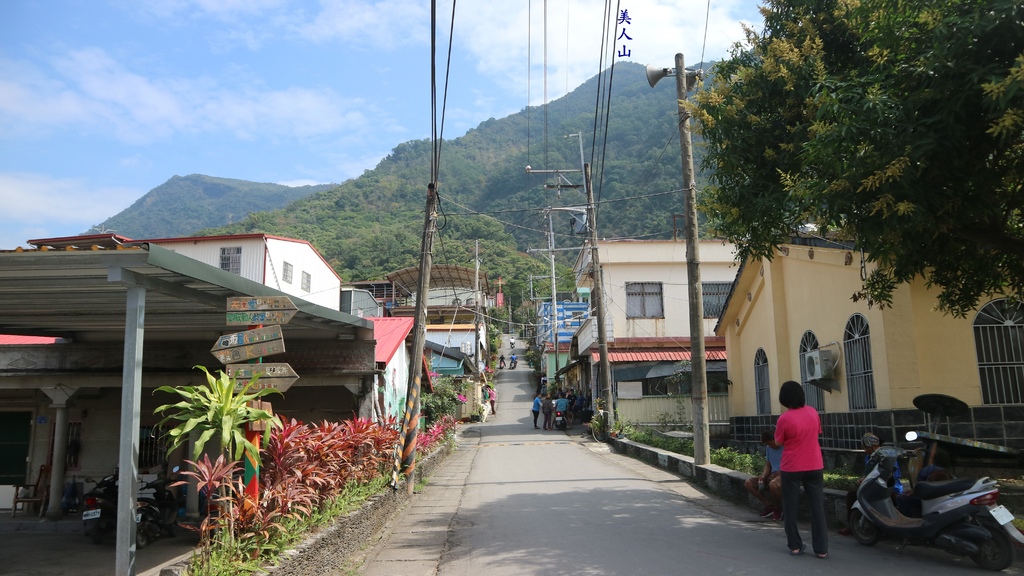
(15, 434)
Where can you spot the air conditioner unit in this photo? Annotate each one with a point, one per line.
(819, 364)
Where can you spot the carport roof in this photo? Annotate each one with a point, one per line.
(76, 293)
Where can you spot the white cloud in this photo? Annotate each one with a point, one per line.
(300, 182)
(42, 206)
(92, 93)
(368, 25)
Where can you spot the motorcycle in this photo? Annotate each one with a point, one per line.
(99, 516)
(513, 363)
(158, 514)
(959, 516)
(560, 421)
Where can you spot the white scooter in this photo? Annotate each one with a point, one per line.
(959, 516)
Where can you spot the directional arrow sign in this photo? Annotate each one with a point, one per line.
(248, 345)
(247, 310)
(279, 376)
(250, 317)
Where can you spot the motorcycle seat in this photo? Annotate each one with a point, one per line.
(929, 490)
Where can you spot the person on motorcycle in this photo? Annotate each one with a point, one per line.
(512, 343)
(513, 361)
(501, 361)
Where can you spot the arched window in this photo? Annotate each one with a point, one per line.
(999, 342)
(860, 377)
(761, 387)
(813, 394)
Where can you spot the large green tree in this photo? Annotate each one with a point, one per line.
(893, 124)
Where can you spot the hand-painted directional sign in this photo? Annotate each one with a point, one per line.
(250, 317)
(248, 310)
(279, 376)
(249, 345)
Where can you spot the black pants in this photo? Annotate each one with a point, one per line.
(536, 413)
(814, 483)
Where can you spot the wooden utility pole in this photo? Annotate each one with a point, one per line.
(597, 297)
(411, 420)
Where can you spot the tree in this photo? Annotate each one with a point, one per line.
(895, 125)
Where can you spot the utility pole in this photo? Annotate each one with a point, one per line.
(554, 293)
(698, 373)
(406, 462)
(605, 367)
(476, 314)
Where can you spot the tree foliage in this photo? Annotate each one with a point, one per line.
(893, 124)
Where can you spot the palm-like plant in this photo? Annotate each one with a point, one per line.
(216, 408)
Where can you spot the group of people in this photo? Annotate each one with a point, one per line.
(793, 460)
(571, 404)
(512, 359)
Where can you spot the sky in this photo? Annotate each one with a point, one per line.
(104, 100)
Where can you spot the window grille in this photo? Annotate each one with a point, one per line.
(286, 274)
(152, 447)
(860, 377)
(999, 342)
(307, 282)
(715, 294)
(644, 300)
(813, 395)
(231, 259)
(761, 383)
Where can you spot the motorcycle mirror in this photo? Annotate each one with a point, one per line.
(911, 436)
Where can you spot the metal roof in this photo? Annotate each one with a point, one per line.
(658, 356)
(442, 276)
(81, 295)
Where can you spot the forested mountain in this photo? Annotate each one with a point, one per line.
(372, 225)
(185, 204)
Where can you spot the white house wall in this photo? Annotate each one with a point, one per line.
(325, 286)
(664, 262)
(208, 252)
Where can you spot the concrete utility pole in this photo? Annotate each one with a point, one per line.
(476, 314)
(554, 292)
(597, 297)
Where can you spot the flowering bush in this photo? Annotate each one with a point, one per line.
(461, 398)
(437, 433)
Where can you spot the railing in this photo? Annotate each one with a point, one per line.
(671, 409)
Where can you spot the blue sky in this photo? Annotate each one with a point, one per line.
(103, 100)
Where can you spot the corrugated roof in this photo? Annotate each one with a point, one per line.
(6, 339)
(390, 334)
(657, 356)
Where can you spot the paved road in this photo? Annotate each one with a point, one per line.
(518, 501)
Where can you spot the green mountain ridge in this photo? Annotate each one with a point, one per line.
(372, 225)
(186, 204)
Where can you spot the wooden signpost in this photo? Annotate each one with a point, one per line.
(248, 345)
(250, 310)
(279, 376)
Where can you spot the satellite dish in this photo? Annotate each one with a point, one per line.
(654, 74)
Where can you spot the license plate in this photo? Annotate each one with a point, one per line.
(138, 518)
(91, 514)
(1001, 514)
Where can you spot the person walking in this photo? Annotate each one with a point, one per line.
(797, 431)
(537, 402)
(547, 406)
(492, 396)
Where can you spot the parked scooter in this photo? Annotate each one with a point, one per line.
(99, 516)
(158, 514)
(560, 422)
(959, 516)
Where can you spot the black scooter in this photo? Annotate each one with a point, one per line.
(158, 513)
(99, 516)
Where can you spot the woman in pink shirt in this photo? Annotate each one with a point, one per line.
(797, 431)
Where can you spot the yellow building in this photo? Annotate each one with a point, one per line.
(862, 366)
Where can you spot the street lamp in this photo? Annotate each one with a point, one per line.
(684, 82)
